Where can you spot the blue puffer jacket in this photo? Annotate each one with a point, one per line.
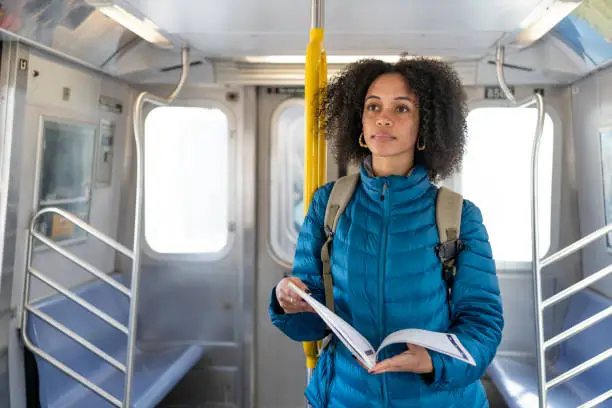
(387, 277)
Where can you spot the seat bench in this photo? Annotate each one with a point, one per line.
(155, 372)
(516, 379)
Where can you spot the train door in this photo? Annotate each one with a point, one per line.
(197, 247)
(279, 360)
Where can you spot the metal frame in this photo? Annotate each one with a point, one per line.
(29, 308)
(132, 294)
(144, 97)
(543, 345)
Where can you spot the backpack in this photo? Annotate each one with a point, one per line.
(448, 220)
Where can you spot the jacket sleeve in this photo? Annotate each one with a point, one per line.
(307, 266)
(477, 317)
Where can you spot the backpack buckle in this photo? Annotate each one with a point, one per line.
(449, 249)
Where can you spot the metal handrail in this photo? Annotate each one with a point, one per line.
(27, 307)
(578, 328)
(577, 287)
(66, 331)
(83, 264)
(76, 299)
(144, 97)
(576, 246)
(579, 369)
(597, 400)
(132, 294)
(538, 263)
(86, 227)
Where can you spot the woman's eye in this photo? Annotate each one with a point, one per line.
(372, 107)
(402, 109)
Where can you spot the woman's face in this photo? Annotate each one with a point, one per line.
(390, 117)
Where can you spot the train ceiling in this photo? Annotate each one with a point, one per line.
(224, 33)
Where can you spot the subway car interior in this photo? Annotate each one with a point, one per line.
(122, 287)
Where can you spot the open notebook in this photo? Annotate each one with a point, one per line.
(444, 343)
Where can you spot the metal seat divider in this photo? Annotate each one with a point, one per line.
(538, 263)
(134, 255)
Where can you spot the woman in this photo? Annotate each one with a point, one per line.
(405, 123)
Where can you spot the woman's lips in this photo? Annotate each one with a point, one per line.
(383, 137)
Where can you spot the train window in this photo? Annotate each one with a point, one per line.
(287, 178)
(496, 176)
(186, 180)
(65, 174)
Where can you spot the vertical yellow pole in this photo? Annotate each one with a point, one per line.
(322, 154)
(311, 148)
(315, 165)
(311, 102)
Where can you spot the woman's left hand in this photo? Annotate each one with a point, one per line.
(415, 360)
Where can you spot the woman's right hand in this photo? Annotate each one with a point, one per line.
(290, 301)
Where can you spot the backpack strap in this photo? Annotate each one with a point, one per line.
(340, 195)
(449, 205)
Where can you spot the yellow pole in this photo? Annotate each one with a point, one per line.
(313, 57)
(322, 154)
(311, 145)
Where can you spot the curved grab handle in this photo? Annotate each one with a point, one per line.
(144, 97)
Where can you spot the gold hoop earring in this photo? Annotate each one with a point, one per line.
(420, 144)
(362, 144)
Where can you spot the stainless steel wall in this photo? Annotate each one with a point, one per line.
(516, 281)
(13, 83)
(592, 112)
(46, 81)
(280, 364)
(32, 87)
(188, 299)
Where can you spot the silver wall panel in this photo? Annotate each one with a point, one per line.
(592, 110)
(47, 80)
(4, 380)
(13, 83)
(188, 299)
(280, 363)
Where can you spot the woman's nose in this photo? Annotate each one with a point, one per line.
(384, 122)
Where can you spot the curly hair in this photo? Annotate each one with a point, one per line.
(441, 102)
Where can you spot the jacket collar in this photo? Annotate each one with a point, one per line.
(404, 188)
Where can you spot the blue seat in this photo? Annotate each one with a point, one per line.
(155, 374)
(517, 379)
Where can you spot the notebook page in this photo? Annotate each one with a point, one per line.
(443, 343)
(351, 338)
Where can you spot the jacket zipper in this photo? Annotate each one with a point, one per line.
(381, 284)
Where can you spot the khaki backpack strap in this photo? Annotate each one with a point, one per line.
(448, 214)
(340, 195)
(449, 206)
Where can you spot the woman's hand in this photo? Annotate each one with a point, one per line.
(290, 301)
(415, 360)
